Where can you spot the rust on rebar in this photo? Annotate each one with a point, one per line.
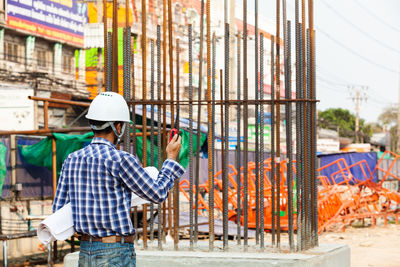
(144, 110)
(105, 30)
(209, 118)
(200, 88)
(176, 185)
(165, 135)
(115, 85)
(171, 92)
(278, 124)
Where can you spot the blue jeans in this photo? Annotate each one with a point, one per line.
(96, 254)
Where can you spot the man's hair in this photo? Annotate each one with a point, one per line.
(100, 123)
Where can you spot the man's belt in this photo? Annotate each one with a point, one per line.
(108, 239)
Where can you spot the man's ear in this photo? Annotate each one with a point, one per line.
(119, 127)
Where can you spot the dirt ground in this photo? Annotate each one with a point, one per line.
(379, 246)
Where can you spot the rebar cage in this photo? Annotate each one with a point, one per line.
(276, 193)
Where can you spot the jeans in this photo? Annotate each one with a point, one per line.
(96, 254)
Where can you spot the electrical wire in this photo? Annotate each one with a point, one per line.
(360, 29)
(372, 14)
(357, 54)
(331, 82)
(331, 75)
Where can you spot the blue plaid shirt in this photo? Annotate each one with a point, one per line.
(99, 180)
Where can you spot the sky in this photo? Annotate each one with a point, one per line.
(357, 46)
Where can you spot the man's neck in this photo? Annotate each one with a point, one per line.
(110, 136)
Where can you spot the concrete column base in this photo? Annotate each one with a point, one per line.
(326, 255)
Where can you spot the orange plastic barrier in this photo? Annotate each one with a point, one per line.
(339, 203)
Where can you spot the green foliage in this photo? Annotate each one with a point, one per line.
(343, 121)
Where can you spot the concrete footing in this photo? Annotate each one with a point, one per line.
(327, 255)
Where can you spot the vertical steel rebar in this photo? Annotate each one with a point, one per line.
(109, 62)
(159, 142)
(289, 136)
(278, 126)
(176, 189)
(200, 88)
(152, 152)
(313, 125)
(209, 120)
(164, 132)
(302, 147)
(126, 80)
(273, 215)
(314, 135)
(309, 146)
(172, 107)
(144, 109)
(190, 137)
(115, 84)
(238, 161)
(305, 125)
(224, 197)
(133, 97)
(262, 228)
(298, 134)
(245, 135)
(135, 222)
(211, 192)
(105, 55)
(257, 156)
(226, 140)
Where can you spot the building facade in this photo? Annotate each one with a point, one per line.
(40, 55)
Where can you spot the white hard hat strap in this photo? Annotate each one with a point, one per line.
(119, 136)
(101, 127)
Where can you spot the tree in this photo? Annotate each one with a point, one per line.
(388, 117)
(344, 122)
(388, 121)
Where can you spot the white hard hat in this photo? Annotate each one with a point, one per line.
(108, 106)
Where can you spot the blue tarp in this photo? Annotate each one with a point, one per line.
(356, 172)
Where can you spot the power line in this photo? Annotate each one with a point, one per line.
(339, 88)
(331, 82)
(356, 53)
(376, 17)
(328, 73)
(333, 89)
(359, 29)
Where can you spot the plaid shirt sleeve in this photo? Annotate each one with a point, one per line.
(137, 179)
(62, 190)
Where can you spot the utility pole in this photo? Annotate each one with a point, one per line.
(358, 95)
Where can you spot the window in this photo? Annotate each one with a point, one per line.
(67, 63)
(11, 52)
(42, 59)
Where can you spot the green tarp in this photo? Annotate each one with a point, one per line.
(40, 154)
(3, 166)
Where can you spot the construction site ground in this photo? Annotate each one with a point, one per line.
(378, 246)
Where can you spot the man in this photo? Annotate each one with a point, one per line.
(99, 180)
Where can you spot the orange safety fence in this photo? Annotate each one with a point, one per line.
(339, 203)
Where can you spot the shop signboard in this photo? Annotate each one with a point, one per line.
(60, 20)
